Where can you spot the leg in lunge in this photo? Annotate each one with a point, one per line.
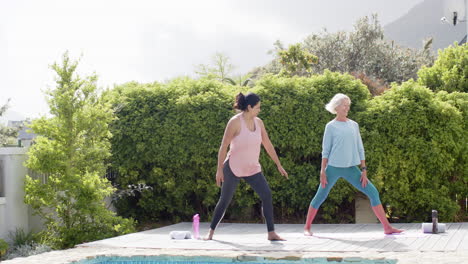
(342, 152)
(228, 189)
(311, 213)
(245, 133)
(328, 178)
(260, 186)
(354, 177)
(380, 213)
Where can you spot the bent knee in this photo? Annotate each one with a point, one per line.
(374, 197)
(316, 202)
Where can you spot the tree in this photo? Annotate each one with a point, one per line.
(240, 80)
(274, 67)
(220, 69)
(71, 149)
(296, 61)
(362, 51)
(449, 72)
(7, 134)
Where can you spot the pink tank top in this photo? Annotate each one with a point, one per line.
(244, 150)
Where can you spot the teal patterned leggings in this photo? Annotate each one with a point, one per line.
(353, 176)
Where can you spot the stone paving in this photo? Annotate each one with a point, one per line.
(339, 243)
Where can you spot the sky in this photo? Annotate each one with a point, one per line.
(149, 41)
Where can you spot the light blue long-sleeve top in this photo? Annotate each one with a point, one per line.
(342, 144)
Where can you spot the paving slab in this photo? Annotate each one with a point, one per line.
(347, 242)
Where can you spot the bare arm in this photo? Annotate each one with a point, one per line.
(362, 157)
(323, 175)
(326, 148)
(230, 132)
(364, 179)
(324, 164)
(270, 149)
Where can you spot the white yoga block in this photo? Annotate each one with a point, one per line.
(180, 235)
(427, 227)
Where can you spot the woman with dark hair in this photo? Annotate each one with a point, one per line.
(244, 134)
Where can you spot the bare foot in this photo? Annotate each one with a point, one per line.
(392, 230)
(307, 232)
(272, 236)
(209, 236)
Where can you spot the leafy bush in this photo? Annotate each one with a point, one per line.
(3, 247)
(8, 135)
(19, 237)
(27, 250)
(460, 101)
(71, 150)
(23, 244)
(449, 72)
(415, 143)
(296, 61)
(168, 136)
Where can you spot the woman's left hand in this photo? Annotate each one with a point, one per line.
(283, 171)
(364, 179)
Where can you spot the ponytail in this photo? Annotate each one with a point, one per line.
(242, 101)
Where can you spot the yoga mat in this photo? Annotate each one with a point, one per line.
(427, 227)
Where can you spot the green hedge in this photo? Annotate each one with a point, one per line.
(449, 72)
(460, 101)
(416, 149)
(168, 136)
(293, 110)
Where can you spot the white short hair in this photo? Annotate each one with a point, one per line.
(335, 102)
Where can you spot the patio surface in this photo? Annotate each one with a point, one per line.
(341, 242)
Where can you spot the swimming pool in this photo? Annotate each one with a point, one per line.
(219, 260)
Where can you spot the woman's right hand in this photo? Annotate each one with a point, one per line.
(219, 177)
(323, 178)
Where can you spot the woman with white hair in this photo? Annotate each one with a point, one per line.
(342, 152)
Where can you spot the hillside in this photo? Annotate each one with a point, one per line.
(422, 22)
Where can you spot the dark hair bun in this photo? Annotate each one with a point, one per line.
(240, 102)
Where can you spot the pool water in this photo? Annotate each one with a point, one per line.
(218, 260)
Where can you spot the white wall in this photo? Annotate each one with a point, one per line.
(2, 216)
(13, 211)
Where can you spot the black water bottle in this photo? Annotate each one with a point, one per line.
(435, 222)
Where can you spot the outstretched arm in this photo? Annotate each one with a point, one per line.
(271, 150)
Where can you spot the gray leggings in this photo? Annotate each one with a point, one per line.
(258, 184)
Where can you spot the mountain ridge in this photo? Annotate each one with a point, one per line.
(421, 22)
